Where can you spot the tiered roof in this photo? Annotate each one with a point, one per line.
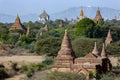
(44, 14)
(98, 16)
(81, 12)
(17, 25)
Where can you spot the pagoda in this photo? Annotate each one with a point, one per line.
(65, 56)
(95, 50)
(44, 17)
(81, 15)
(108, 38)
(98, 16)
(17, 25)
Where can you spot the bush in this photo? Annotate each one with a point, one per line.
(48, 62)
(83, 46)
(65, 76)
(48, 46)
(114, 48)
(30, 69)
(83, 26)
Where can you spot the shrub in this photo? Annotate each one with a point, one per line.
(65, 76)
(48, 46)
(47, 61)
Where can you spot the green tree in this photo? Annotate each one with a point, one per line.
(83, 26)
(48, 46)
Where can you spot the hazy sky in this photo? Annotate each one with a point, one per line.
(21, 7)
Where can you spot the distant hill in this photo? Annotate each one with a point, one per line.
(24, 18)
(107, 13)
(71, 13)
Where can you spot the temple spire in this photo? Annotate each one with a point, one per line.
(108, 38)
(103, 53)
(81, 12)
(66, 45)
(28, 31)
(95, 49)
(17, 20)
(98, 16)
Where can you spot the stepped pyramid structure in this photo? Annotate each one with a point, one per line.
(81, 15)
(95, 50)
(67, 62)
(65, 56)
(43, 17)
(98, 16)
(17, 25)
(108, 38)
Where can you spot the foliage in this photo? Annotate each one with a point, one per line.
(48, 62)
(30, 69)
(83, 26)
(114, 48)
(49, 46)
(83, 46)
(65, 76)
(108, 76)
(3, 73)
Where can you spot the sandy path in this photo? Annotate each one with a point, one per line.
(19, 59)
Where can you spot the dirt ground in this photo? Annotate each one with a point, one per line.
(22, 59)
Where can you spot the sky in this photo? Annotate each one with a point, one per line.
(24, 7)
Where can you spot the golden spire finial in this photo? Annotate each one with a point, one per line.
(81, 12)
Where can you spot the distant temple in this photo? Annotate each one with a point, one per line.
(81, 15)
(66, 60)
(17, 25)
(98, 16)
(43, 17)
(109, 39)
(117, 17)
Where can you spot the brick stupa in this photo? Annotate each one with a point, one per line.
(95, 50)
(65, 57)
(108, 38)
(98, 16)
(17, 25)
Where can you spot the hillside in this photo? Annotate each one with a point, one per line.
(107, 13)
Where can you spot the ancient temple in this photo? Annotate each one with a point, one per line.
(67, 62)
(65, 57)
(17, 25)
(81, 16)
(98, 16)
(108, 38)
(43, 18)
